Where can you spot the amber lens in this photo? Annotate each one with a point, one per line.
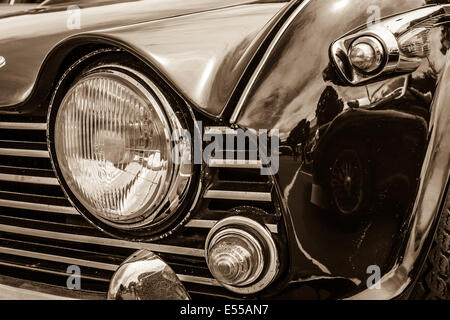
(112, 144)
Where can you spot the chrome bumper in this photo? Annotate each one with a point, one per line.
(145, 276)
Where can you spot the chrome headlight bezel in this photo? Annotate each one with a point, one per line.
(176, 201)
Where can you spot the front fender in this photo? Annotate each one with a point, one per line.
(434, 180)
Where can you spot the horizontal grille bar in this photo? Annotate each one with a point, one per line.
(103, 241)
(238, 195)
(23, 126)
(208, 224)
(37, 268)
(29, 179)
(236, 164)
(51, 257)
(24, 153)
(37, 207)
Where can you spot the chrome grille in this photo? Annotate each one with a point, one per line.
(41, 234)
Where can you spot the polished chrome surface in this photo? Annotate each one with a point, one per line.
(2, 62)
(208, 224)
(24, 153)
(23, 126)
(238, 195)
(269, 247)
(62, 259)
(366, 54)
(389, 32)
(237, 164)
(145, 276)
(37, 206)
(29, 179)
(202, 47)
(234, 258)
(199, 280)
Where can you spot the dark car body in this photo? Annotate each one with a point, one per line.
(237, 64)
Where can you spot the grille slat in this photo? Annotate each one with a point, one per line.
(29, 179)
(24, 153)
(24, 125)
(101, 241)
(58, 258)
(37, 207)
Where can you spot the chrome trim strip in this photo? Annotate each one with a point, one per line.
(238, 164)
(62, 259)
(204, 224)
(220, 130)
(2, 61)
(23, 126)
(238, 195)
(49, 271)
(199, 280)
(25, 153)
(29, 179)
(209, 224)
(103, 241)
(37, 207)
(262, 63)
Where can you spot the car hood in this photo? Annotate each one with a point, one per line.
(7, 10)
(202, 47)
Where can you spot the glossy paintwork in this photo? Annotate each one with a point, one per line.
(350, 168)
(193, 43)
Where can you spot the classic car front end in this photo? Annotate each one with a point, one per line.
(224, 149)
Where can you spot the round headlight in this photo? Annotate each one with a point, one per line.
(241, 255)
(366, 54)
(112, 144)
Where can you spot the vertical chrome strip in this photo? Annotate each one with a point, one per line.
(263, 61)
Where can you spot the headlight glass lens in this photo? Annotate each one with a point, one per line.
(113, 147)
(235, 257)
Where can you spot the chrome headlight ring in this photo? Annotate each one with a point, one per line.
(170, 207)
